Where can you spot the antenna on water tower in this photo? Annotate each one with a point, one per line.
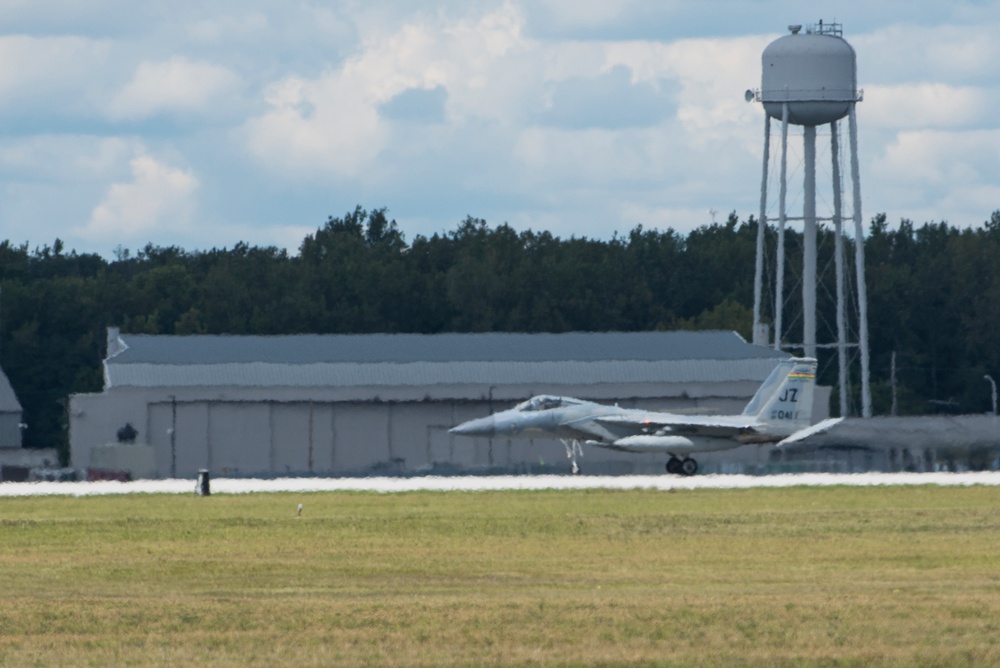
(810, 79)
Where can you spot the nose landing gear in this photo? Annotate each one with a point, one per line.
(573, 448)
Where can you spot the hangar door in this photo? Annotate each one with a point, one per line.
(177, 432)
(241, 438)
(234, 438)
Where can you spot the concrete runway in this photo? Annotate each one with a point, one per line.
(493, 483)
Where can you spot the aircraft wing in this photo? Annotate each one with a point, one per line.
(602, 428)
(648, 422)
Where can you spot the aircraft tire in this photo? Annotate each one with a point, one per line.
(674, 466)
(689, 466)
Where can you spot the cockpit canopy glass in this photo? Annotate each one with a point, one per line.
(543, 402)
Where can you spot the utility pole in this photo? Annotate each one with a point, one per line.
(173, 436)
(892, 378)
(993, 392)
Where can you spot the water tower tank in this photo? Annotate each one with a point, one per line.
(815, 72)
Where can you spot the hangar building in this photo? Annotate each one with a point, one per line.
(10, 415)
(383, 403)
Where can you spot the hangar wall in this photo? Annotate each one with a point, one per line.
(251, 435)
(10, 430)
(368, 404)
(10, 415)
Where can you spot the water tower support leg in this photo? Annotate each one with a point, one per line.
(859, 262)
(759, 334)
(838, 225)
(779, 271)
(809, 244)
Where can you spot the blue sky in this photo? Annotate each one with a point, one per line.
(205, 124)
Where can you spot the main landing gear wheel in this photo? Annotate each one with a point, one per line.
(686, 466)
(689, 466)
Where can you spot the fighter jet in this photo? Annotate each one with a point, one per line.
(781, 407)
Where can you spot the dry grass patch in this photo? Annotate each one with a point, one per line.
(834, 576)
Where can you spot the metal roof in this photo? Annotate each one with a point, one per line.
(450, 348)
(423, 374)
(8, 400)
(358, 360)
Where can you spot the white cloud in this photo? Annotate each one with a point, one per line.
(674, 171)
(158, 196)
(929, 105)
(623, 19)
(56, 70)
(955, 54)
(592, 157)
(219, 29)
(503, 109)
(497, 83)
(331, 125)
(938, 175)
(64, 159)
(931, 157)
(572, 14)
(177, 85)
(316, 128)
(712, 73)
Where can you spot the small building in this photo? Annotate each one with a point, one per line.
(11, 421)
(383, 403)
(17, 462)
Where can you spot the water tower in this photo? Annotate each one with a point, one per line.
(809, 79)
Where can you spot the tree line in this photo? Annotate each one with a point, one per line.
(933, 294)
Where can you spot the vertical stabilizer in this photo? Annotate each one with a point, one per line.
(769, 387)
(788, 408)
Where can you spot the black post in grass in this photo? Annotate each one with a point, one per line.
(202, 488)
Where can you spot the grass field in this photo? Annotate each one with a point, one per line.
(801, 576)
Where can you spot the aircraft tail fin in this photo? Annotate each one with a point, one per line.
(783, 404)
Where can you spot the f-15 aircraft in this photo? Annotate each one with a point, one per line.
(781, 407)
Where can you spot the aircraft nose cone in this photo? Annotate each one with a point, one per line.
(485, 426)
